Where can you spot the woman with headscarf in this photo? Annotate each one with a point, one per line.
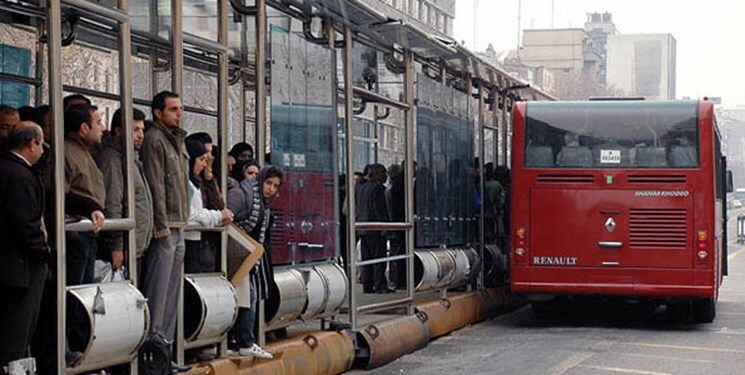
(199, 257)
(250, 201)
(242, 151)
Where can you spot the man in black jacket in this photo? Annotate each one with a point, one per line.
(24, 252)
(371, 207)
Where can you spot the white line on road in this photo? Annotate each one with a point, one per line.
(668, 358)
(569, 363)
(681, 347)
(626, 370)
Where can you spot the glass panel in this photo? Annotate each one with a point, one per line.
(302, 128)
(390, 84)
(445, 180)
(197, 122)
(91, 68)
(365, 67)
(141, 78)
(151, 17)
(612, 135)
(200, 18)
(200, 90)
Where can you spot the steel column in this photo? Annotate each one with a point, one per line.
(351, 209)
(54, 45)
(125, 90)
(177, 48)
(482, 154)
(222, 124)
(260, 149)
(260, 125)
(409, 125)
(177, 75)
(503, 143)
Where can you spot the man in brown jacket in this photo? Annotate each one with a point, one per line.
(84, 189)
(166, 168)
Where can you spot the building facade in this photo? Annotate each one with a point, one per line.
(570, 51)
(434, 15)
(599, 26)
(643, 65)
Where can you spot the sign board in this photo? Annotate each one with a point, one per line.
(243, 253)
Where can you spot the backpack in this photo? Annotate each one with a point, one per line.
(155, 355)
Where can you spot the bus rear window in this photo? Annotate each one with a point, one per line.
(611, 135)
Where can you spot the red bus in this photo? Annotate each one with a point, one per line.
(618, 198)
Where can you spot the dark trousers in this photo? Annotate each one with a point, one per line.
(373, 276)
(81, 258)
(245, 324)
(19, 311)
(398, 267)
(199, 257)
(162, 277)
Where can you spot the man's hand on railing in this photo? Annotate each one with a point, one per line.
(97, 217)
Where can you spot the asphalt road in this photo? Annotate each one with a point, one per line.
(596, 338)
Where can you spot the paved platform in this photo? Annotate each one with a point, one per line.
(380, 338)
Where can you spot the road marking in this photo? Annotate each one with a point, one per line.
(735, 254)
(569, 363)
(668, 358)
(681, 347)
(730, 313)
(626, 370)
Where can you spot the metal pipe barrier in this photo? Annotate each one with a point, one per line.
(445, 268)
(117, 323)
(85, 225)
(381, 343)
(305, 293)
(287, 297)
(741, 228)
(211, 308)
(316, 353)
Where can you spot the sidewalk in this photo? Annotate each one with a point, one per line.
(380, 339)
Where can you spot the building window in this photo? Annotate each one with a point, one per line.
(15, 61)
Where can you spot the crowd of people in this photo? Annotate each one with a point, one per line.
(175, 182)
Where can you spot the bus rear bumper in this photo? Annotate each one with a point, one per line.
(632, 282)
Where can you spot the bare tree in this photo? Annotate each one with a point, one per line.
(580, 87)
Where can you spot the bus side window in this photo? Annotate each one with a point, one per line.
(574, 156)
(539, 156)
(683, 156)
(651, 157)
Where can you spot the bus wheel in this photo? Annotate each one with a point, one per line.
(704, 310)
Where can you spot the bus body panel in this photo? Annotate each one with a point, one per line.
(563, 214)
(609, 227)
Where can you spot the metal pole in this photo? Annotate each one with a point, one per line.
(177, 73)
(409, 124)
(349, 130)
(495, 123)
(39, 69)
(177, 47)
(482, 154)
(54, 35)
(243, 83)
(125, 89)
(222, 124)
(260, 149)
(153, 51)
(504, 129)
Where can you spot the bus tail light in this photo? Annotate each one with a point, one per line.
(702, 253)
(521, 252)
